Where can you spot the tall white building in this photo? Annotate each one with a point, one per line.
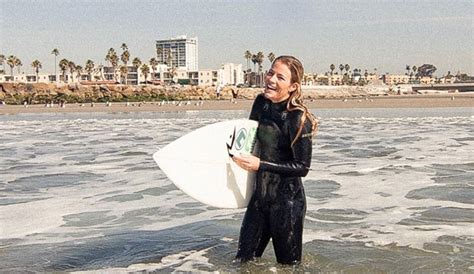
(231, 74)
(180, 52)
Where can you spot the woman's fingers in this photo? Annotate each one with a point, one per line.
(247, 162)
(241, 162)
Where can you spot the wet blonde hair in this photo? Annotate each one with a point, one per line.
(296, 97)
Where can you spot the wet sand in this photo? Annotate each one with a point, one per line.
(403, 101)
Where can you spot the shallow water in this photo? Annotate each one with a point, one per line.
(389, 191)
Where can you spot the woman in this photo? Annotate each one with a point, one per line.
(278, 205)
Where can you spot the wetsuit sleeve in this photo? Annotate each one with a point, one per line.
(302, 150)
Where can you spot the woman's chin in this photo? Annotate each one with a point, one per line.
(269, 94)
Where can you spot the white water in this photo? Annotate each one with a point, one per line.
(86, 184)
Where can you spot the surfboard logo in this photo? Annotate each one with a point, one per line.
(240, 140)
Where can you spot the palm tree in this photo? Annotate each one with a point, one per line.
(271, 57)
(11, 62)
(2, 60)
(124, 47)
(172, 72)
(63, 66)
(79, 71)
(123, 73)
(407, 68)
(153, 63)
(37, 66)
(125, 57)
(113, 59)
(72, 69)
(254, 61)
(137, 63)
(414, 68)
(347, 67)
(260, 58)
(18, 64)
(332, 67)
(341, 68)
(248, 57)
(55, 52)
(145, 70)
(89, 68)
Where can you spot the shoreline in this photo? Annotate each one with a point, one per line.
(395, 101)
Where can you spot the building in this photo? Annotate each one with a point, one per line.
(231, 74)
(335, 80)
(180, 52)
(28, 78)
(393, 79)
(208, 77)
(371, 78)
(425, 80)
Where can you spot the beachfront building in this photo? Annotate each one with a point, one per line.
(193, 77)
(180, 52)
(28, 78)
(427, 80)
(318, 79)
(393, 79)
(371, 78)
(208, 77)
(230, 74)
(335, 80)
(110, 74)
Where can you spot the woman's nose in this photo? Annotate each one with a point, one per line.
(272, 79)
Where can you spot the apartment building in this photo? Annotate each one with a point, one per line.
(231, 74)
(28, 78)
(180, 52)
(208, 77)
(393, 79)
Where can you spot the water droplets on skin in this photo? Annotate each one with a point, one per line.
(385, 187)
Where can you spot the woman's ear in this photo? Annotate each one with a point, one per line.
(293, 87)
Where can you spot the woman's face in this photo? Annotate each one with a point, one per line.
(278, 84)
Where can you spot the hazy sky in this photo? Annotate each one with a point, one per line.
(366, 34)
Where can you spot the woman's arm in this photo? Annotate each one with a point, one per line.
(302, 151)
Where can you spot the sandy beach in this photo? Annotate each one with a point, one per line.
(404, 101)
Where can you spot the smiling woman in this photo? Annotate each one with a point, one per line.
(277, 208)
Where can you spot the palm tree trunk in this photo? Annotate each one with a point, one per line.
(55, 73)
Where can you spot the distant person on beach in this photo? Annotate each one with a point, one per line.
(218, 91)
(286, 127)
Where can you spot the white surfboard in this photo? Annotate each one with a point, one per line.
(199, 164)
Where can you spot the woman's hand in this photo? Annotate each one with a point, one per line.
(247, 162)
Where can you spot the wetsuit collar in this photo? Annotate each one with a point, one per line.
(280, 106)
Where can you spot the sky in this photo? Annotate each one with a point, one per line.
(366, 34)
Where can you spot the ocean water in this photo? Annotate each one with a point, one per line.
(388, 191)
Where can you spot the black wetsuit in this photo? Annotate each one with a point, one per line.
(278, 205)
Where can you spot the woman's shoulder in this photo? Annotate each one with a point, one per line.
(260, 97)
(259, 100)
(296, 113)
